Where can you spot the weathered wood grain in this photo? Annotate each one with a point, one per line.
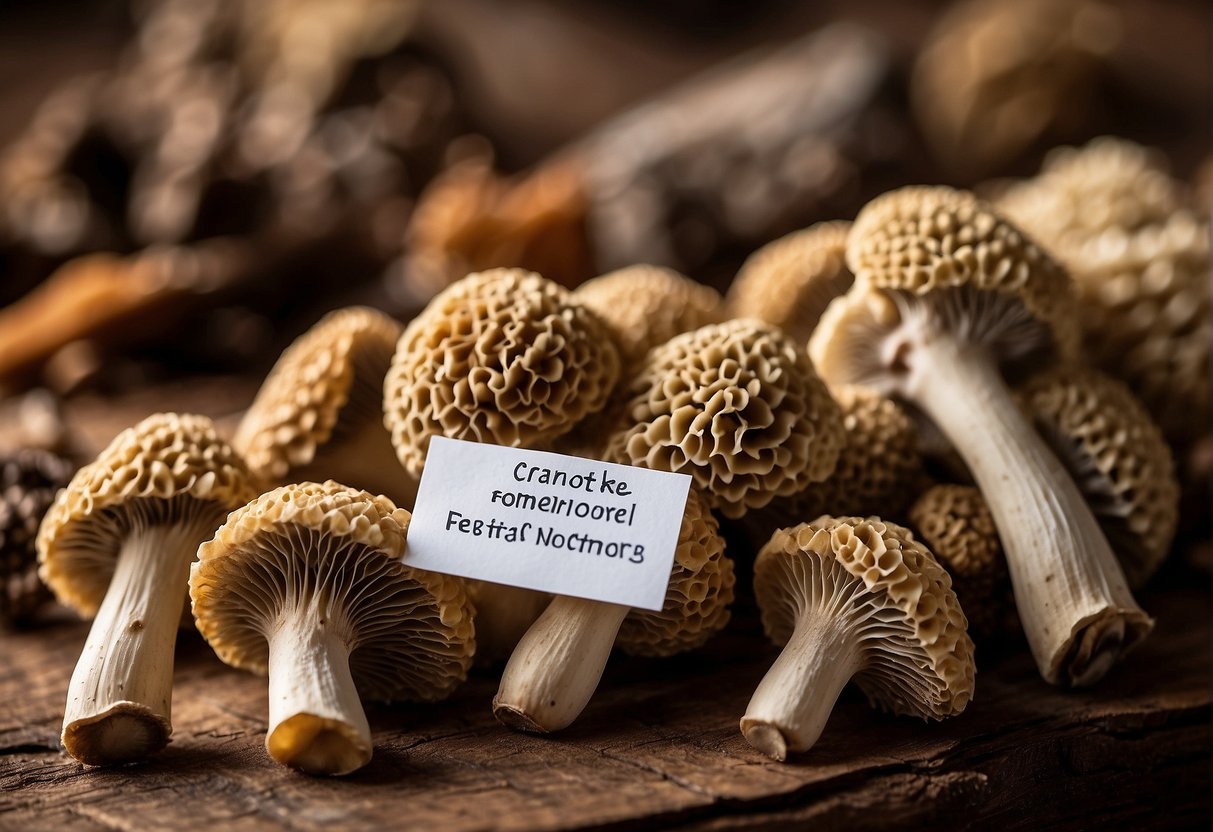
(658, 747)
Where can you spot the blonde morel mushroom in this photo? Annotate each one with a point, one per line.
(504, 357)
(736, 405)
(956, 525)
(306, 584)
(1118, 458)
(319, 414)
(791, 281)
(555, 668)
(949, 297)
(853, 598)
(117, 546)
(644, 306)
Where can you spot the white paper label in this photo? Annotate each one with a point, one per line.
(545, 521)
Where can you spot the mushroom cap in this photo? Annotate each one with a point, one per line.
(877, 471)
(325, 386)
(644, 306)
(955, 523)
(29, 480)
(1118, 458)
(411, 631)
(162, 470)
(736, 405)
(789, 282)
(917, 657)
(504, 357)
(699, 594)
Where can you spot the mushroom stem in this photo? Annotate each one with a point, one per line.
(317, 723)
(119, 698)
(1074, 602)
(555, 668)
(790, 707)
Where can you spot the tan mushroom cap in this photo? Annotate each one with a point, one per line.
(324, 392)
(918, 658)
(956, 525)
(736, 405)
(644, 306)
(789, 282)
(877, 472)
(412, 630)
(504, 357)
(1117, 456)
(699, 594)
(168, 467)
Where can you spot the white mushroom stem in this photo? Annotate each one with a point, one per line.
(317, 723)
(119, 697)
(1074, 602)
(790, 707)
(555, 668)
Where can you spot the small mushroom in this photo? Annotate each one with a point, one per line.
(319, 414)
(736, 405)
(117, 546)
(504, 357)
(555, 668)
(306, 584)
(853, 598)
(644, 306)
(791, 281)
(1118, 458)
(948, 298)
(29, 481)
(955, 524)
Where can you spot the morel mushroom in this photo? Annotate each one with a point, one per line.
(29, 481)
(504, 357)
(1118, 458)
(644, 306)
(319, 414)
(791, 281)
(736, 405)
(850, 598)
(555, 668)
(949, 297)
(955, 524)
(306, 584)
(117, 546)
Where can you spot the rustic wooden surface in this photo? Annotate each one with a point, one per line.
(658, 747)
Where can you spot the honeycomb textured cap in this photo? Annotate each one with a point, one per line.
(644, 306)
(410, 632)
(504, 357)
(877, 471)
(736, 405)
(1118, 457)
(790, 282)
(175, 460)
(699, 595)
(29, 480)
(921, 239)
(956, 525)
(919, 661)
(329, 378)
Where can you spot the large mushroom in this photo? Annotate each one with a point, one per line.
(853, 598)
(117, 546)
(556, 666)
(736, 405)
(319, 414)
(949, 299)
(306, 584)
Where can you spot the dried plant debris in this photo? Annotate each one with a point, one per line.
(736, 405)
(29, 481)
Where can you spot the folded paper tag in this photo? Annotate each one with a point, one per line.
(545, 521)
